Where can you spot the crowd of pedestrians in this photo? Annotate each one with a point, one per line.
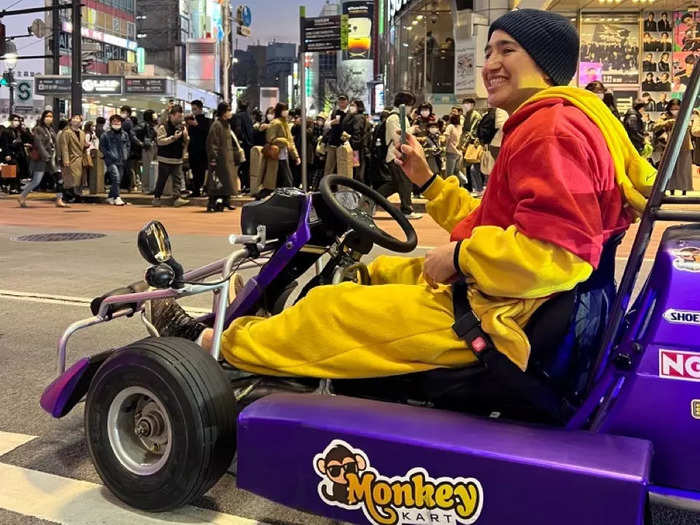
(250, 152)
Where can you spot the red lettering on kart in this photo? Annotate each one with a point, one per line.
(674, 364)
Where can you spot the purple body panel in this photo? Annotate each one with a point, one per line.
(254, 288)
(649, 405)
(56, 395)
(552, 475)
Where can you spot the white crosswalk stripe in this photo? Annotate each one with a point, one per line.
(74, 502)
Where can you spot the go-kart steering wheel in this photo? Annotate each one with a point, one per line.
(361, 221)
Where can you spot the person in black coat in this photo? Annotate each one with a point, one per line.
(357, 126)
(650, 23)
(198, 130)
(634, 124)
(664, 24)
(649, 64)
(242, 125)
(13, 152)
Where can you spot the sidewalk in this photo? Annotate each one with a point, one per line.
(143, 199)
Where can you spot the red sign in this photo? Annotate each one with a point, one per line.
(674, 364)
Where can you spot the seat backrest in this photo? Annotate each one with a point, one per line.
(565, 333)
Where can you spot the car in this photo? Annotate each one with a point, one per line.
(602, 428)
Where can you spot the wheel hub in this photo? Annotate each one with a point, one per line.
(139, 431)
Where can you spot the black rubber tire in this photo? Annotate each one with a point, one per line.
(199, 401)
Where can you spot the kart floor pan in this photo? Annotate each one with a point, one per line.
(509, 471)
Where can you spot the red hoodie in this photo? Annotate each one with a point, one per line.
(554, 179)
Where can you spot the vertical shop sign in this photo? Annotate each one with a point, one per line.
(464, 67)
(360, 15)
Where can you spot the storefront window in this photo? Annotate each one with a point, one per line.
(422, 48)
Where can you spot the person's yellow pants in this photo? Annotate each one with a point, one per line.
(397, 325)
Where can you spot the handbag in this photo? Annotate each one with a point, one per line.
(214, 185)
(272, 152)
(9, 171)
(474, 153)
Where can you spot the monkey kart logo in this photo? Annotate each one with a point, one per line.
(348, 481)
(687, 259)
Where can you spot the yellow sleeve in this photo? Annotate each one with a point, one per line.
(448, 203)
(507, 263)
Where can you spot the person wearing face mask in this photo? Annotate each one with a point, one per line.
(128, 180)
(198, 130)
(172, 139)
(432, 148)
(334, 126)
(634, 124)
(221, 147)
(43, 157)
(73, 146)
(12, 151)
(115, 147)
(242, 126)
(357, 126)
(276, 172)
(682, 178)
(596, 87)
(399, 183)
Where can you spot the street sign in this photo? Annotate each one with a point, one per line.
(344, 32)
(324, 33)
(151, 86)
(245, 16)
(243, 31)
(51, 85)
(89, 46)
(24, 90)
(39, 28)
(102, 85)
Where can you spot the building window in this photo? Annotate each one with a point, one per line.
(131, 30)
(422, 49)
(116, 26)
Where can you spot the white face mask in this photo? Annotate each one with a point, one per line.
(117, 127)
(600, 95)
(425, 114)
(675, 112)
(285, 114)
(269, 117)
(352, 109)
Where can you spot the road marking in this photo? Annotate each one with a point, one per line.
(10, 441)
(37, 297)
(74, 502)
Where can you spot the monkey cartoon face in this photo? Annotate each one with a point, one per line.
(689, 254)
(335, 465)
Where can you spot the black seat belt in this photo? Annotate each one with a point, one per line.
(527, 387)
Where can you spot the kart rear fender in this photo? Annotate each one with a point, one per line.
(551, 475)
(69, 388)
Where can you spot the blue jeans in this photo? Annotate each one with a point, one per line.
(115, 174)
(452, 160)
(36, 180)
(476, 178)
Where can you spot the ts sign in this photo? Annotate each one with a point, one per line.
(674, 364)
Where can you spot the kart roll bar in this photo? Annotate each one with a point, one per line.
(652, 213)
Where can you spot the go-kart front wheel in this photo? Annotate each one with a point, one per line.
(160, 423)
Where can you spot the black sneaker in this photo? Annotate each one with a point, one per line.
(172, 321)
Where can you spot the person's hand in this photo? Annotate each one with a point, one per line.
(298, 161)
(7, 157)
(178, 134)
(411, 158)
(439, 267)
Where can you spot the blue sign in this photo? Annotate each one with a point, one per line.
(245, 15)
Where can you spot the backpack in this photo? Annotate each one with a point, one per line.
(486, 129)
(379, 146)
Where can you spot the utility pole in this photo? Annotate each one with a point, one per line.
(76, 99)
(302, 90)
(56, 52)
(11, 85)
(226, 19)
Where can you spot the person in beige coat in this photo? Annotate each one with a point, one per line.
(72, 145)
(222, 147)
(276, 173)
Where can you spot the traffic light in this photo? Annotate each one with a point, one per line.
(7, 79)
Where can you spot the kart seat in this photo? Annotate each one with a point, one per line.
(137, 287)
(565, 335)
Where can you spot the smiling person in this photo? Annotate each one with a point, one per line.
(566, 180)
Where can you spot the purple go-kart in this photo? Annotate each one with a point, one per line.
(604, 428)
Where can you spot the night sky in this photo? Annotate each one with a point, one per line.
(277, 19)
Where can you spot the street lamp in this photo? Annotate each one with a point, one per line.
(8, 77)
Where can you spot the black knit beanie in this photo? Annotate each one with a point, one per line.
(549, 38)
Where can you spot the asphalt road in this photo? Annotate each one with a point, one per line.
(30, 327)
